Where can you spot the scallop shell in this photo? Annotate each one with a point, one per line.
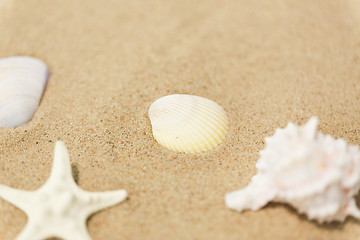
(188, 123)
(315, 173)
(22, 82)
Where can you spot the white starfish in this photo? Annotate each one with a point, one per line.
(59, 208)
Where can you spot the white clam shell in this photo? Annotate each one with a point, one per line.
(313, 172)
(22, 82)
(188, 123)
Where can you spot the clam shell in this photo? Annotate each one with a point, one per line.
(188, 123)
(22, 82)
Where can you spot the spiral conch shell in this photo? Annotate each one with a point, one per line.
(315, 173)
(188, 123)
(22, 82)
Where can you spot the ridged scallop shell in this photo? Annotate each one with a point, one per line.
(188, 123)
(315, 173)
(22, 82)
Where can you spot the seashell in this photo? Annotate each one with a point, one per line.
(188, 123)
(22, 82)
(313, 172)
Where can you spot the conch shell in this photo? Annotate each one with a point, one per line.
(315, 173)
(22, 82)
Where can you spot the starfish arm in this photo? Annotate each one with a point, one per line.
(17, 197)
(40, 230)
(100, 200)
(61, 169)
(31, 231)
(79, 233)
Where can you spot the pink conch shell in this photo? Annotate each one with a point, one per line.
(313, 172)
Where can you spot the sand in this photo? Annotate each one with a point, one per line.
(266, 62)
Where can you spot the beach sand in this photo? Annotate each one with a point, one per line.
(266, 62)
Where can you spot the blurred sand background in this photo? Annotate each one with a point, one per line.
(266, 62)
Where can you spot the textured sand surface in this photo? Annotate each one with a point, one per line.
(266, 62)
